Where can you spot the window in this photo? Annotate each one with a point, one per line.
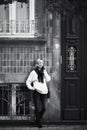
(16, 103)
(17, 17)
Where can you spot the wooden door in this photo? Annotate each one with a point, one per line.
(71, 51)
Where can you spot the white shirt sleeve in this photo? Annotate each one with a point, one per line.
(47, 76)
(30, 79)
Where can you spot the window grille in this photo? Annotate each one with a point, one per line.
(16, 102)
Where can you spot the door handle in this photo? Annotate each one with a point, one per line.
(61, 59)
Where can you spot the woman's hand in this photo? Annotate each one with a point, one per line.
(33, 88)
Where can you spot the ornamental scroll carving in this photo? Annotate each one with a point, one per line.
(71, 58)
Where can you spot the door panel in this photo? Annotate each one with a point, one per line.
(72, 102)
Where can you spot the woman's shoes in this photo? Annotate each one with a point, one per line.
(38, 123)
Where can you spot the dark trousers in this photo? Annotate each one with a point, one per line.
(40, 102)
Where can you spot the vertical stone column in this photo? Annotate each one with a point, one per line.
(56, 46)
(32, 16)
(12, 17)
(54, 101)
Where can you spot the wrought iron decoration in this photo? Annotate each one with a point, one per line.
(71, 58)
(10, 1)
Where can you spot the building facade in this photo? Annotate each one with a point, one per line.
(27, 32)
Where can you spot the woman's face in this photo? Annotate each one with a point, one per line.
(40, 64)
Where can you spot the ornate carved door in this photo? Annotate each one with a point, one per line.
(71, 51)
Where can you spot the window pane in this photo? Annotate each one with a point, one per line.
(5, 100)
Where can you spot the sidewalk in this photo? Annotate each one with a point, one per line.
(55, 127)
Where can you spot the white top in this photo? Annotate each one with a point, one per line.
(38, 86)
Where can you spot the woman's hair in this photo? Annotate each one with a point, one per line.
(37, 62)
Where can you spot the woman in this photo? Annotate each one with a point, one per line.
(37, 82)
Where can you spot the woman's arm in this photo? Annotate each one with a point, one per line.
(47, 76)
(29, 81)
